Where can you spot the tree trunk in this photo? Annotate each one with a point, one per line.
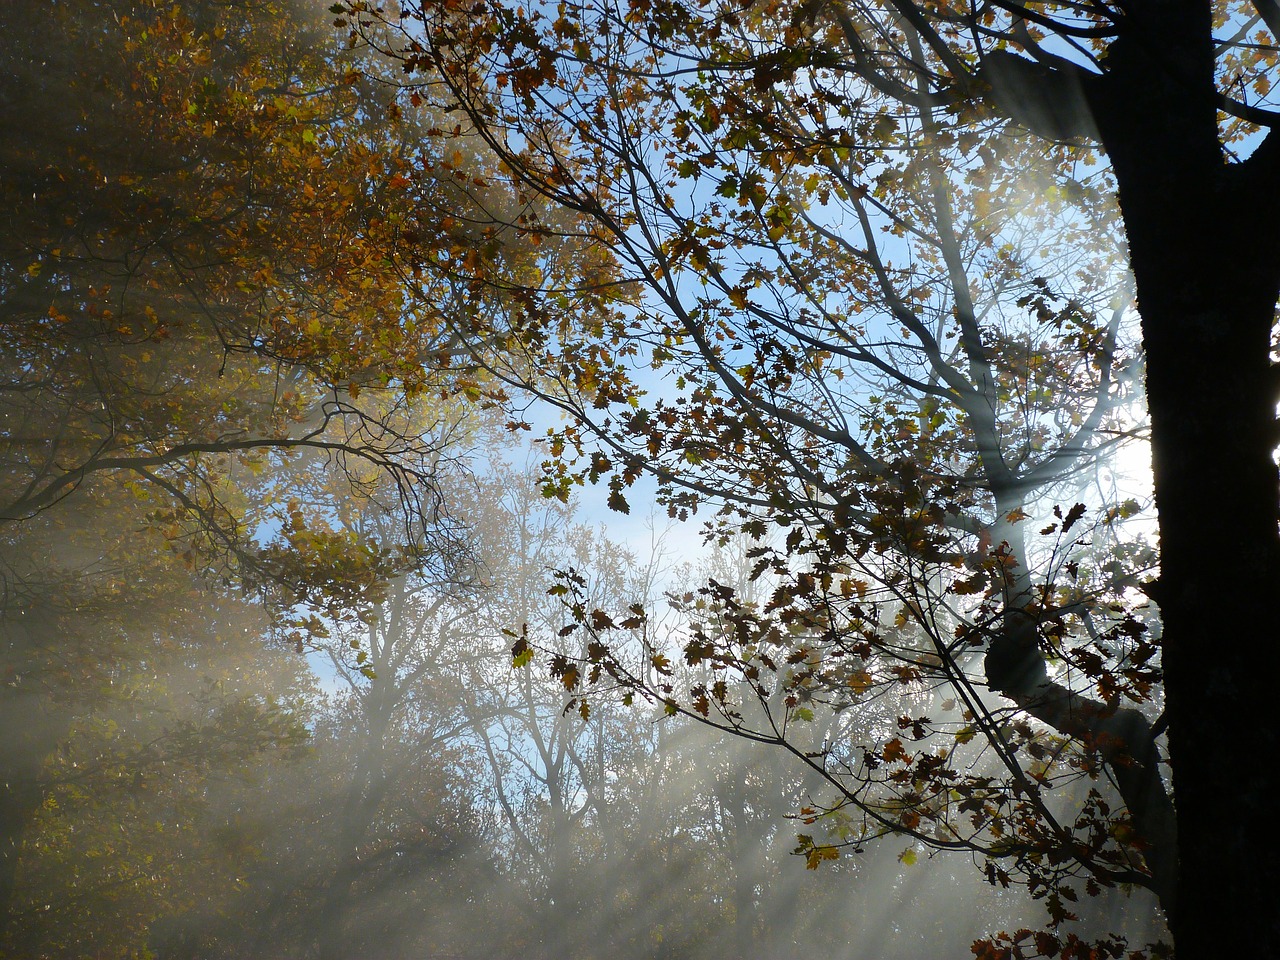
(1205, 253)
(1125, 738)
(1212, 415)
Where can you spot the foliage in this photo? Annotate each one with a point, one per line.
(142, 815)
(879, 304)
(200, 300)
(875, 285)
(210, 244)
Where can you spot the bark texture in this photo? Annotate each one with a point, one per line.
(1204, 245)
(1204, 248)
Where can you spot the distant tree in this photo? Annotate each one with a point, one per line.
(888, 256)
(408, 858)
(195, 293)
(169, 711)
(548, 760)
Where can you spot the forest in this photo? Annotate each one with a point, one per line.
(675, 479)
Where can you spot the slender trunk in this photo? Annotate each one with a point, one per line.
(743, 843)
(1123, 736)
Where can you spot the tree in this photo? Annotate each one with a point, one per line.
(199, 201)
(548, 759)
(219, 291)
(406, 813)
(145, 802)
(883, 252)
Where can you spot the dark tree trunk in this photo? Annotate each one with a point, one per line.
(1204, 247)
(1203, 238)
(1212, 414)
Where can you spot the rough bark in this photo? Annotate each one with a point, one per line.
(1205, 253)
(1204, 247)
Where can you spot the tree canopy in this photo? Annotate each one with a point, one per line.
(891, 274)
(198, 297)
(894, 295)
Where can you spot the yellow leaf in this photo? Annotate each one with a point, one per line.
(859, 681)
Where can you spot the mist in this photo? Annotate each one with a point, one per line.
(328, 629)
(405, 792)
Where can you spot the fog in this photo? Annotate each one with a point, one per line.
(206, 793)
(313, 645)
